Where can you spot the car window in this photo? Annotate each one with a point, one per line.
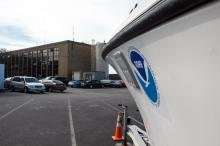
(48, 78)
(57, 82)
(61, 78)
(21, 79)
(16, 79)
(47, 81)
(31, 80)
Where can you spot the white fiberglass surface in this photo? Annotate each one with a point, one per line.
(184, 57)
(138, 9)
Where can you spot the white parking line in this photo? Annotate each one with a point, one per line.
(118, 110)
(15, 109)
(111, 106)
(72, 132)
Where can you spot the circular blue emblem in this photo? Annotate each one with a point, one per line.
(144, 74)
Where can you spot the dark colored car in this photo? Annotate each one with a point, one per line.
(62, 79)
(75, 83)
(92, 84)
(59, 78)
(107, 83)
(117, 84)
(52, 85)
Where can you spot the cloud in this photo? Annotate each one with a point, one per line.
(6, 43)
(15, 37)
(28, 22)
(15, 33)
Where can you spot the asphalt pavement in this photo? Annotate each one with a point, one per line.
(82, 117)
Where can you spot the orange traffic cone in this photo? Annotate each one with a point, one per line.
(118, 130)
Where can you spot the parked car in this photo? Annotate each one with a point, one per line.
(123, 83)
(59, 78)
(117, 84)
(75, 83)
(26, 84)
(92, 84)
(7, 83)
(52, 85)
(107, 83)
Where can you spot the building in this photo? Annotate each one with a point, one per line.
(61, 58)
(100, 68)
(95, 75)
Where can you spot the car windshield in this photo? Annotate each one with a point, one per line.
(48, 78)
(58, 78)
(31, 80)
(57, 82)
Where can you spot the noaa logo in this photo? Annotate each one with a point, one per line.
(144, 74)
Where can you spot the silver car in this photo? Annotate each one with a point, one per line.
(26, 84)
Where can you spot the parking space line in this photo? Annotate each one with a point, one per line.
(15, 109)
(72, 131)
(111, 106)
(118, 110)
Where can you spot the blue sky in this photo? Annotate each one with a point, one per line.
(25, 23)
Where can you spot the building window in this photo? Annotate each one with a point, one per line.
(56, 61)
(19, 64)
(25, 64)
(44, 63)
(30, 63)
(34, 64)
(39, 60)
(9, 66)
(50, 61)
(12, 64)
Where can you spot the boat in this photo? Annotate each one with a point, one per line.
(168, 54)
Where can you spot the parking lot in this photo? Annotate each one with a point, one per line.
(82, 117)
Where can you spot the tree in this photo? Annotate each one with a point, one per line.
(2, 51)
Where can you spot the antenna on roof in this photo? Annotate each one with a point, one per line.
(93, 41)
(73, 33)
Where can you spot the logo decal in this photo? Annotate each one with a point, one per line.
(144, 74)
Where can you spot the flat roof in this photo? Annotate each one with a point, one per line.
(46, 46)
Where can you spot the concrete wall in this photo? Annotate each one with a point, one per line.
(93, 58)
(101, 65)
(97, 75)
(80, 58)
(63, 60)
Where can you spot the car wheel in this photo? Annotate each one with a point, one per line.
(91, 86)
(61, 91)
(103, 86)
(50, 89)
(25, 90)
(12, 88)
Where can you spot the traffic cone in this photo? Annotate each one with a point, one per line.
(118, 130)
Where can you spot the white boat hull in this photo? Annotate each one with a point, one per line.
(183, 57)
